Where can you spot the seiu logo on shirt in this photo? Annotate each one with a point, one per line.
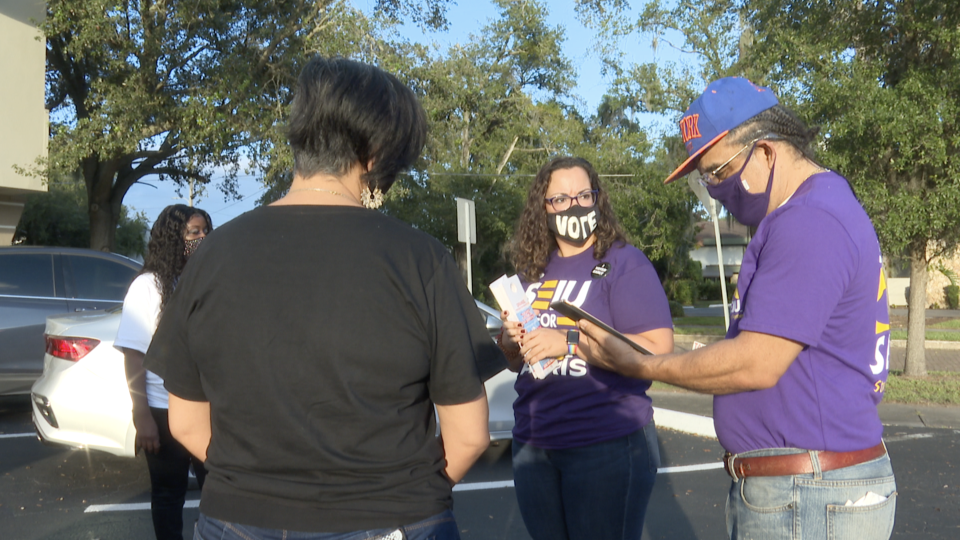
(569, 367)
(540, 296)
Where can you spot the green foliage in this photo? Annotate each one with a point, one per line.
(59, 218)
(950, 274)
(952, 293)
(880, 78)
(499, 108)
(180, 89)
(676, 309)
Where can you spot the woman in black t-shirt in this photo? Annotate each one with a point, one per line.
(314, 336)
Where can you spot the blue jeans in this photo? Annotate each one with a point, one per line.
(811, 506)
(442, 526)
(595, 492)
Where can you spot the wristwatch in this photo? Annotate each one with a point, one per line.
(573, 340)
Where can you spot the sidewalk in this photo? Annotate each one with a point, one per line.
(701, 405)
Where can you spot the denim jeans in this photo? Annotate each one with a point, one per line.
(812, 506)
(595, 492)
(168, 480)
(442, 526)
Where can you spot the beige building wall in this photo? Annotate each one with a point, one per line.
(937, 280)
(23, 118)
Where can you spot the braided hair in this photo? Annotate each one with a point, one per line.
(165, 250)
(783, 125)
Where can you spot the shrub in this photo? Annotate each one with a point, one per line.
(676, 309)
(952, 293)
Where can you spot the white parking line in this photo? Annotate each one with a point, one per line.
(476, 486)
(689, 468)
(679, 421)
(908, 437)
(15, 435)
(685, 422)
(131, 507)
(483, 485)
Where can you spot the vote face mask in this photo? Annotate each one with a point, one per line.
(189, 246)
(575, 224)
(748, 208)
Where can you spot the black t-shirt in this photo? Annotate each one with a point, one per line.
(322, 336)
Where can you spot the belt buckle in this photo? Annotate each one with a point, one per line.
(731, 470)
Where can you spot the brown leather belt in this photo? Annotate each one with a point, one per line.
(790, 464)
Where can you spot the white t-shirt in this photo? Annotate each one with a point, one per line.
(141, 309)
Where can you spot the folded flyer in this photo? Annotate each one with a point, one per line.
(510, 296)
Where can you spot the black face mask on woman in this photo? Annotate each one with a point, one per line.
(575, 224)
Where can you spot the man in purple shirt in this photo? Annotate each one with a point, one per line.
(799, 377)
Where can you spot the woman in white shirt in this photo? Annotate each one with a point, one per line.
(175, 235)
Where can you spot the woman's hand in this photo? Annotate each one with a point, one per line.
(510, 340)
(544, 343)
(148, 434)
(512, 333)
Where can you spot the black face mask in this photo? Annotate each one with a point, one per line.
(575, 224)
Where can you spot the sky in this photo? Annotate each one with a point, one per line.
(466, 17)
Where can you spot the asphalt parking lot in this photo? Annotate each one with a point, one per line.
(60, 494)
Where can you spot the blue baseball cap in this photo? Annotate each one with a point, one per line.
(724, 105)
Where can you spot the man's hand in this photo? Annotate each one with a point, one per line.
(749, 361)
(148, 435)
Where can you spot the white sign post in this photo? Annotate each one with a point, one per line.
(467, 232)
(693, 179)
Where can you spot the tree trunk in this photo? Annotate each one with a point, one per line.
(916, 361)
(465, 141)
(104, 219)
(103, 202)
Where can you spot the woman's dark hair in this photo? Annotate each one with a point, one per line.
(165, 250)
(345, 112)
(784, 125)
(533, 242)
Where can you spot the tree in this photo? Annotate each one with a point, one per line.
(488, 135)
(881, 78)
(182, 89)
(59, 218)
(707, 36)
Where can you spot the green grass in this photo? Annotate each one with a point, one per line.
(700, 331)
(954, 323)
(698, 321)
(938, 387)
(932, 335)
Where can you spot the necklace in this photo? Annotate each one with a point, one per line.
(323, 190)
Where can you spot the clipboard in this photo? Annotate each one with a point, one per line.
(573, 312)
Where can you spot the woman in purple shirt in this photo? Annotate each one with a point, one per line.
(585, 446)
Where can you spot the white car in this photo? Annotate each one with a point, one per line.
(81, 400)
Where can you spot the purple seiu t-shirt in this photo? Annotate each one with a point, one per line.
(580, 404)
(813, 274)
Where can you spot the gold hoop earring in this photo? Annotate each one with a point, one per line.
(371, 200)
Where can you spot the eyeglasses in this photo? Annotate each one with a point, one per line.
(710, 178)
(585, 199)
